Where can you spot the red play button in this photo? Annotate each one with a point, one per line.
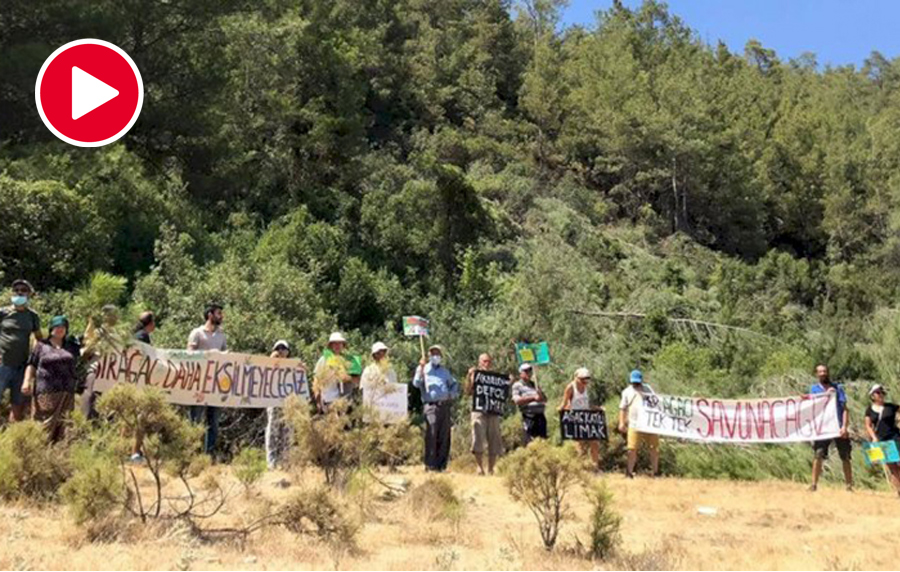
(89, 93)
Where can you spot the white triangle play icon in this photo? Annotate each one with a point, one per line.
(88, 92)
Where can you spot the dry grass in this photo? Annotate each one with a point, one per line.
(772, 525)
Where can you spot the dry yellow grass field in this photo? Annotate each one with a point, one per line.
(770, 525)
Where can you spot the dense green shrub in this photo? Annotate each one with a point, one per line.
(249, 466)
(30, 467)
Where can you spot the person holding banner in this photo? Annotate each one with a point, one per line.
(380, 371)
(51, 376)
(277, 431)
(576, 397)
(331, 379)
(18, 323)
(208, 337)
(632, 396)
(531, 402)
(881, 425)
(485, 424)
(146, 325)
(439, 389)
(841, 443)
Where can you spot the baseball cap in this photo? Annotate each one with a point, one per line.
(436, 347)
(525, 367)
(281, 343)
(636, 376)
(877, 387)
(583, 373)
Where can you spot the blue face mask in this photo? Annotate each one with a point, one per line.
(18, 300)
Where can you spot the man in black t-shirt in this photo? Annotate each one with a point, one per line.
(881, 425)
(18, 323)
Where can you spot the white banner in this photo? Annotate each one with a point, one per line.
(770, 420)
(388, 401)
(220, 379)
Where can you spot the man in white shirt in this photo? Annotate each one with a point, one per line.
(209, 336)
(632, 396)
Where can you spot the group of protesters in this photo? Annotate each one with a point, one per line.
(42, 379)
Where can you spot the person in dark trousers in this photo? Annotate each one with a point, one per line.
(881, 425)
(531, 402)
(51, 376)
(146, 325)
(208, 337)
(17, 324)
(842, 442)
(439, 390)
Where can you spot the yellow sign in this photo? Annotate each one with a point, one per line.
(527, 355)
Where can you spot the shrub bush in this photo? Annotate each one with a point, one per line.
(30, 467)
(605, 522)
(96, 486)
(541, 476)
(321, 513)
(249, 466)
(436, 498)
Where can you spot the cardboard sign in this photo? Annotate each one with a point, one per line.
(533, 353)
(415, 326)
(490, 392)
(583, 425)
(387, 403)
(881, 452)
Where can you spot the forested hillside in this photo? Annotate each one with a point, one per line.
(625, 191)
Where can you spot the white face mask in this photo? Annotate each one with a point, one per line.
(435, 360)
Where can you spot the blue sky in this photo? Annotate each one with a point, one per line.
(838, 31)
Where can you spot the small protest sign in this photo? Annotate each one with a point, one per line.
(583, 425)
(490, 392)
(881, 452)
(415, 326)
(386, 403)
(533, 353)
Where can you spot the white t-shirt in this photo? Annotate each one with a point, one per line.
(200, 339)
(630, 395)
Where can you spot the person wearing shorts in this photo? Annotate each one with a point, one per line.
(842, 442)
(632, 396)
(485, 426)
(18, 323)
(531, 402)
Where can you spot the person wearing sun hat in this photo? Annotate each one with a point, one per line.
(576, 397)
(632, 396)
(380, 371)
(331, 378)
(439, 389)
(881, 425)
(277, 434)
(531, 402)
(51, 376)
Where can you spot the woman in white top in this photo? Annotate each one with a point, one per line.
(576, 397)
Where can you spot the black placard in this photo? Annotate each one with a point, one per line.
(490, 392)
(583, 425)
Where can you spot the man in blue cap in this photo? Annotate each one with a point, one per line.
(632, 396)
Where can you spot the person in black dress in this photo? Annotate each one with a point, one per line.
(881, 425)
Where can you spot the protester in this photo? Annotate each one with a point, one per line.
(485, 426)
(208, 337)
(278, 435)
(632, 397)
(841, 443)
(439, 389)
(51, 377)
(881, 425)
(576, 397)
(531, 402)
(90, 352)
(146, 325)
(331, 380)
(380, 371)
(18, 323)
